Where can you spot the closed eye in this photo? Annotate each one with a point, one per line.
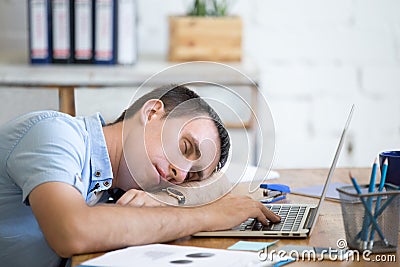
(194, 176)
(191, 176)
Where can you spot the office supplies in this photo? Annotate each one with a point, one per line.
(355, 208)
(303, 217)
(283, 262)
(383, 195)
(274, 192)
(251, 246)
(272, 199)
(127, 32)
(368, 213)
(39, 31)
(83, 31)
(372, 181)
(378, 200)
(371, 188)
(105, 17)
(275, 187)
(62, 31)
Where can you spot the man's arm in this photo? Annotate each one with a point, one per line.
(71, 227)
(196, 193)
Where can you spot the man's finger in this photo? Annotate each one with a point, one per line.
(126, 198)
(270, 215)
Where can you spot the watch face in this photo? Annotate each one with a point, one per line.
(176, 194)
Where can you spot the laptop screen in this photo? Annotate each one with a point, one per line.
(333, 167)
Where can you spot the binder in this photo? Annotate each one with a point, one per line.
(39, 24)
(105, 32)
(62, 31)
(83, 31)
(127, 32)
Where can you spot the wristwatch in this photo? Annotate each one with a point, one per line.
(176, 194)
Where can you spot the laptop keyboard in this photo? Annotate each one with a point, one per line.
(291, 217)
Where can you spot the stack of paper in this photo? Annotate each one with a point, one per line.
(169, 255)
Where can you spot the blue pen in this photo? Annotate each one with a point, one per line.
(283, 262)
(378, 200)
(368, 211)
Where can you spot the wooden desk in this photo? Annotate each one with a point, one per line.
(328, 230)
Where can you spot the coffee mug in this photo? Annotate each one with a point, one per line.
(393, 171)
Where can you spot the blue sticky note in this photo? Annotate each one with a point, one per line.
(251, 246)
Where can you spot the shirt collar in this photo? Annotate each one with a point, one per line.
(100, 160)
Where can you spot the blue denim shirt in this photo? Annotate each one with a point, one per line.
(42, 147)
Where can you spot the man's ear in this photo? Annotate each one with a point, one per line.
(152, 109)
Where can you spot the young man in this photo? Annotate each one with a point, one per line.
(54, 169)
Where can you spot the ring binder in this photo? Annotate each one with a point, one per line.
(61, 31)
(83, 31)
(39, 31)
(105, 32)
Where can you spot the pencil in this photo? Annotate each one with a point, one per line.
(366, 221)
(378, 200)
(368, 213)
(372, 180)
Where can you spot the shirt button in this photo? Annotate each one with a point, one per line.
(106, 183)
(97, 174)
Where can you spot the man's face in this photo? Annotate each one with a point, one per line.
(174, 149)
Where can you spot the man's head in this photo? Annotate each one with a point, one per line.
(170, 112)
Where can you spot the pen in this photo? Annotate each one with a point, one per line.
(283, 262)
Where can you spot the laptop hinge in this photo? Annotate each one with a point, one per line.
(310, 218)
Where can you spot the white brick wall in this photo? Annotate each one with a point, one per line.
(316, 58)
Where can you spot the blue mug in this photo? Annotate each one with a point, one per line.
(393, 171)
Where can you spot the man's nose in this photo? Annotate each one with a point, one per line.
(177, 174)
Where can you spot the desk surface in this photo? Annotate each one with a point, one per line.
(328, 230)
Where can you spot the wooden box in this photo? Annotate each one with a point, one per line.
(205, 38)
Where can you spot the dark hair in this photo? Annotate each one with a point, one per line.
(182, 101)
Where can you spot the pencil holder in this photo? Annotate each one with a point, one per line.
(371, 220)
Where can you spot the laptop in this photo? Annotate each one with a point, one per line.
(297, 220)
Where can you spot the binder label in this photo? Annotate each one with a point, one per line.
(39, 26)
(83, 29)
(104, 30)
(61, 29)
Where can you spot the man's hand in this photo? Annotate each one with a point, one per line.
(138, 198)
(232, 210)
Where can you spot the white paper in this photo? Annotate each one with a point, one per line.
(165, 255)
(248, 173)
